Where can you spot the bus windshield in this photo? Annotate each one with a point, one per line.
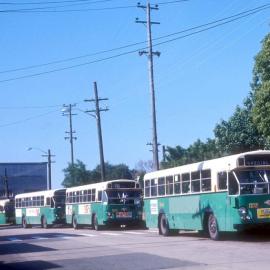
(123, 196)
(254, 181)
(59, 199)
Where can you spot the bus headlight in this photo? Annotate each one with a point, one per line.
(243, 212)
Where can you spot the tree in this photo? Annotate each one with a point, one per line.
(261, 89)
(76, 175)
(198, 151)
(261, 70)
(239, 133)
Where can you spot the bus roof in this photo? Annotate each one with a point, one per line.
(100, 185)
(46, 193)
(223, 163)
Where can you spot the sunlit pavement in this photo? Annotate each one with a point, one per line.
(65, 248)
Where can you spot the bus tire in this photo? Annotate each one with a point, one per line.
(24, 223)
(74, 223)
(44, 223)
(95, 224)
(163, 225)
(213, 231)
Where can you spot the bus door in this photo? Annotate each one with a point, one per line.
(232, 215)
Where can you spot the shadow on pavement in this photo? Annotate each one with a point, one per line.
(30, 265)
(16, 248)
(131, 261)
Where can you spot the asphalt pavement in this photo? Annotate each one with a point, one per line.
(121, 249)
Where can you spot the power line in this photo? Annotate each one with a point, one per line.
(234, 18)
(171, 2)
(28, 107)
(48, 9)
(53, 2)
(130, 45)
(27, 119)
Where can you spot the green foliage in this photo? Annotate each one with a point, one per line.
(261, 70)
(261, 109)
(261, 89)
(198, 151)
(77, 174)
(239, 133)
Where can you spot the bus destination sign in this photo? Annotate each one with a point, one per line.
(257, 160)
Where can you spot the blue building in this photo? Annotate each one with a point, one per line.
(22, 177)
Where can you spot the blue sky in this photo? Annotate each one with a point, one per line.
(199, 80)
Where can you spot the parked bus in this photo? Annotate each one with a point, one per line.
(115, 202)
(221, 195)
(7, 212)
(43, 208)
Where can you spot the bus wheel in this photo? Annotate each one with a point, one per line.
(44, 223)
(74, 223)
(24, 223)
(163, 226)
(213, 227)
(96, 226)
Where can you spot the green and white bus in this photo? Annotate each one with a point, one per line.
(115, 202)
(43, 208)
(7, 215)
(221, 195)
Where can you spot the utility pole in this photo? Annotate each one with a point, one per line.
(67, 111)
(49, 156)
(96, 112)
(150, 54)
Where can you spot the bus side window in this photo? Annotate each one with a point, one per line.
(222, 181)
(169, 185)
(153, 187)
(147, 188)
(185, 183)
(99, 196)
(177, 184)
(42, 201)
(161, 186)
(233, 185)
(195, 181)
(93, 195)
(48, 201)
(206, 180)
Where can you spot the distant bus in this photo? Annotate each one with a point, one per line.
(115, 202)
(221, 195)
(43, 208)
(7, 212)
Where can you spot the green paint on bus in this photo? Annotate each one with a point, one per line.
(115, 202)
(222, 195)
(43, 208)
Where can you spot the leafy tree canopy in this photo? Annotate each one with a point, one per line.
(261, 70)
(198, 151)
(239, 133)
(78, 174)
(261, 89)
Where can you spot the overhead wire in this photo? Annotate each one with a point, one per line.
(133, 44)
(210, 26)
(27, 119)
(58, 8)
(52, 2)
